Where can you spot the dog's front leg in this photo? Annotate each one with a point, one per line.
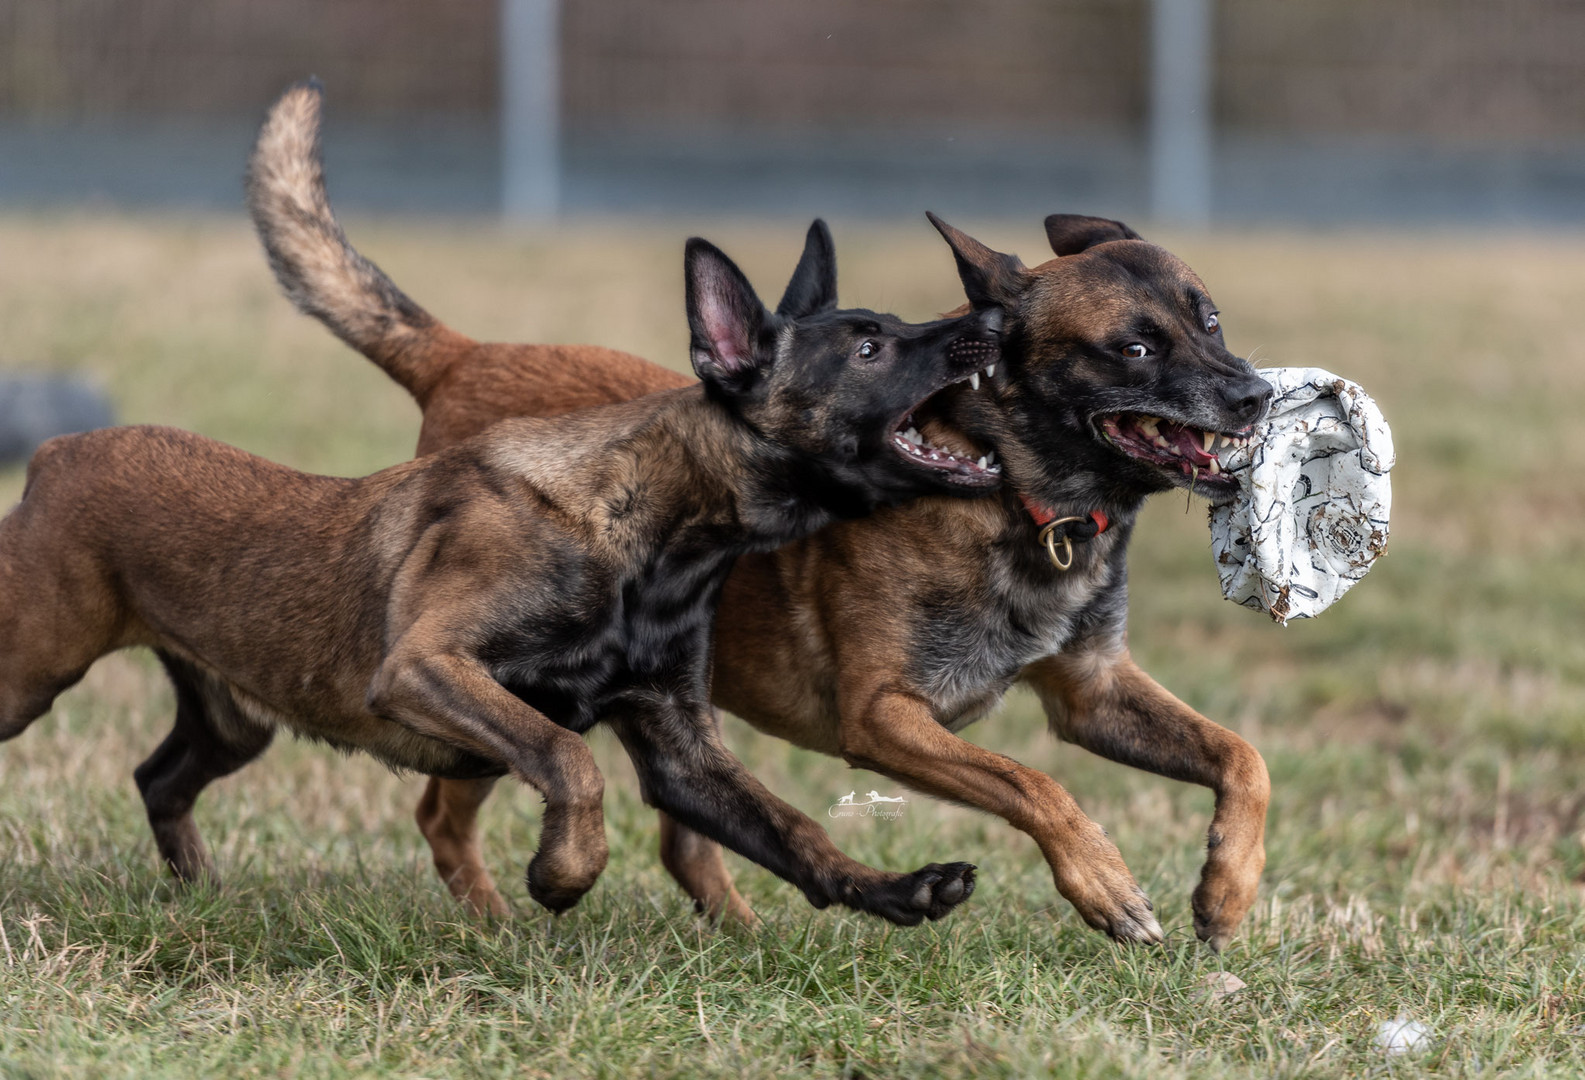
(454, 699)
(895, 733)
(1097, 697)
(694, 862)
(685, 770)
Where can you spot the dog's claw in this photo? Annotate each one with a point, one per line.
(1137, 924)
(1209, 927)
(1223, 897)
(1111, 901)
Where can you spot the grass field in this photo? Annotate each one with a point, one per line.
(1426, 737)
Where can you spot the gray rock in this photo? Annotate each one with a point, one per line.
(38, 407)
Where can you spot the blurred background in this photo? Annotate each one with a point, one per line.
(1390, 189)
(1402, 111)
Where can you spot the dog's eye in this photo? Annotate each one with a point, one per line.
(1136, 351)
(1212, 321)
(868, 350)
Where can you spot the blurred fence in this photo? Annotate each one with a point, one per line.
(1320, 107)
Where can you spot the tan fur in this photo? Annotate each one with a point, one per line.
(812, 643)
(797, 625)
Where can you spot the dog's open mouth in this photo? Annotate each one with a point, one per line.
(927, 437)
(1190, 451)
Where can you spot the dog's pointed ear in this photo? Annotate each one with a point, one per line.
(990, 279)
(725, 316)
(813, 287)
(1070, 234)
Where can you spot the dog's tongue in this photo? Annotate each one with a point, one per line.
(1191, 444)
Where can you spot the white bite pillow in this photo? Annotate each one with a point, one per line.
(1314, 497)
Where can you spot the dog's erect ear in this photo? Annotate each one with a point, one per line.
(813, 287)
(990, 279)
(1072, 233)
(724, 315)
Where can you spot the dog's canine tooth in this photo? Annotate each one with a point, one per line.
(990, 370)
(1216, 467)
(1150, 426)
(974, 380)
(991, 457)
(1210, 440)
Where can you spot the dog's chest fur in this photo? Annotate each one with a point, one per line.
(975, 635)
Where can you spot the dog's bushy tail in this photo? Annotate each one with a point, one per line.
(317, 268)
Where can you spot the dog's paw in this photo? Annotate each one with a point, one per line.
(927, 893)
(557, 886)
(1220, 902)
(1111, 901)
(549, 893)
(1135, 921)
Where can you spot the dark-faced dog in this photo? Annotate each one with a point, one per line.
(877, 640)
(473, 613)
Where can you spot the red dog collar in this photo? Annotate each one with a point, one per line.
(1044, 515)
(1052, 530)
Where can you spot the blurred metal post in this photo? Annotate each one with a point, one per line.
(1180, 112)
(530, 109)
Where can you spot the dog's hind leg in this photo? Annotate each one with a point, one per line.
(211, 739)
(1098, 698)
(448, 816)
(58, 611)
(694, 860)
(686, 771)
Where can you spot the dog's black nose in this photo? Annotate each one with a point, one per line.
(1247, 398)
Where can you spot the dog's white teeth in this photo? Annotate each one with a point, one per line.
(974, 380)
(1148, 426)
(981, 462)
(1216, 467)
(990, 370)
(1210, 441)
(991, 457)
(1160, 441)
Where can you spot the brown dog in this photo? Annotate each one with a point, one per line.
(876, 640)
(474, 612)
